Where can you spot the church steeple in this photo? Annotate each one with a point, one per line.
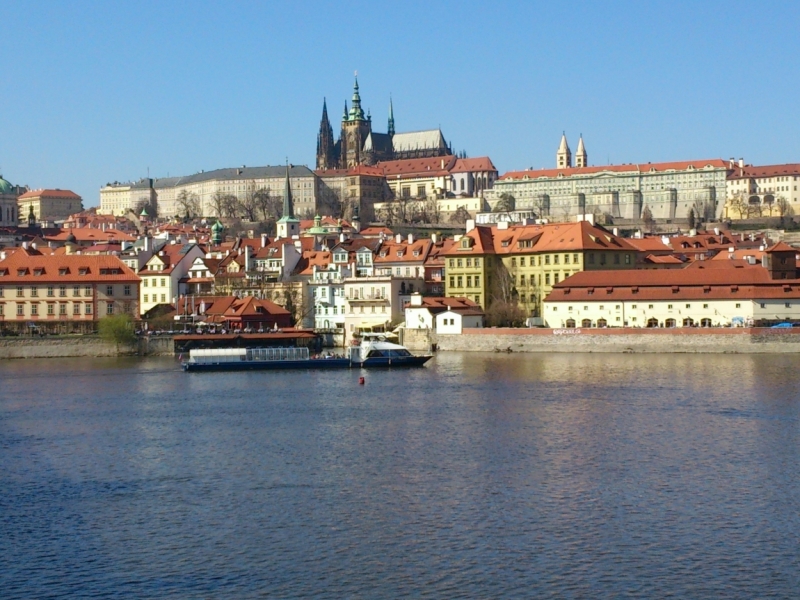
(325, 143)
(564, 155)
(356, 112)
(344, 116)
(287, 225)
(581, 158)
(390, 129)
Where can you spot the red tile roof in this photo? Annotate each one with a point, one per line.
(765, 171)
(439, 165)
(92, 234)
(472, 165)
(22, 267)
(641, 168)
(50, 194)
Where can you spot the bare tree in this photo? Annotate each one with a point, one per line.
(218, 204)
(189, 204)
(460, 216)
(270, 207)
(647, 220)
(737, 205)
(248, 204)
(541, 205)
(783, 207)
(331, 203)
(506, 203)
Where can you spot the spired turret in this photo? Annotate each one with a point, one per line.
(564, 155)
(216, 233)
(390, 129)
(287, 225)
(581, 158)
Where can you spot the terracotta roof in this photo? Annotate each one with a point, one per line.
(765, 171)
(640, 168)
(391, 252)
(439, 165)
(663, 260)
(92, 234)
(22, 266)
(49, 194)
(738, 254)
(376, 231)
(457, 304)
(471, 165)
(649, 244)
(781, 247)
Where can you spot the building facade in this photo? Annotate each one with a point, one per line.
(9, 212)
(668, 190)
(49, 205)
(758, 191)
(61, 293)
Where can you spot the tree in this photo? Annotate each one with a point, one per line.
(691, 218)
(117, 329)
(541, 205)
(230, 206)
(248, 204)
(648, 220)
(506, 203)
(737, 205)
(189, 204)
(783, 207)
(330, 202)
(506, 314)
(461, 216)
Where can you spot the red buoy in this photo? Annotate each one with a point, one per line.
(361, 381)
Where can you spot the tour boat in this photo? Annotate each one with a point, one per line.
(371, 351)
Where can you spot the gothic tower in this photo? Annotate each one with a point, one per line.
(564, 155)
(326, 158)
(355, 128)
(390, 129)
(581, 158)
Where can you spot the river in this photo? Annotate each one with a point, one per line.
(477, 476)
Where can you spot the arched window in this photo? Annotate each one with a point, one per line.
(652, 322)
(462, 185)
(571, 323)
(705, 322)
(688, 322)
(602, 323)
(586, 323)
(670, 323)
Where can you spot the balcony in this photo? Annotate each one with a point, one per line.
(375, 299)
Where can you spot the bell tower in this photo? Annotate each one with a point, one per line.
(564, 155)
(355, 128)
(581, 158)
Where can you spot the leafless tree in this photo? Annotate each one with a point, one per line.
(783, 207)
(647, 220)
(506, 203)
(460, 216)
(541, 205)
(218, 204)
(248, 204)
(189, 204)
(230, 206)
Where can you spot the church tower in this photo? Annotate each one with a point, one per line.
(326, 158)
(390, 129)
(581, 158)
(355, 128)
(287, 225)
(564, 155)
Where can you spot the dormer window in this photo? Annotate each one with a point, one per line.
(416, 252)
(38, 272)
(83, 271)
(63, 271)
(21, 272)
(399, 253)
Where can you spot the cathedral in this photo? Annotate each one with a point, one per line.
(359, 145)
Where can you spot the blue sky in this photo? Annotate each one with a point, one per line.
(102, 91)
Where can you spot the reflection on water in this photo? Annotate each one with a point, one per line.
(481, 475)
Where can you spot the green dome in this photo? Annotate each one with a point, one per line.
(217, 227)
(5, 186)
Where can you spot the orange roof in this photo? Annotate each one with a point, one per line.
(640, 168)
(765, 171)
(49, 194)
(376, 231)
(439, 165)
(649, 244)
(92, 234)
(24, 267)
(738, 254)
(781, 247)
(471, 165)
(391, 252)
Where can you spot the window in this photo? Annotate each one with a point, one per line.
(521, 261)
(469, 281)
(477, 262)
(35, 309)
(460, 281)
(62, 308)
(547, 278)
(522, 279)
(633, 306)
(76, 308)
(163, 297)
(146, 298)
(144, 282)
(547, 259)
(706, 306)
(575, 258)
(555, 259)
(50, 291)
(20, 293)
(469, 262)
(513, 261)
(566, 259)
(460, 263)
(688, 306)
(20, 310)
(788, 305)
(616, 259)
(87, 290)
(555, 278)
(669, 306)
(627, 259)
(1, 310)
(76, 290)
(738, 305)
(477, 281)
(62, 291)
(452, 263)
(649, 306)
(109, 308)
(109, 290)
(591, 258)
(452, 281)
(34, 291)
(163, 282)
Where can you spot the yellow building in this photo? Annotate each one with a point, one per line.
(521, 264)
(49, 205)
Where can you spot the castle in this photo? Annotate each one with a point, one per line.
(358, 144)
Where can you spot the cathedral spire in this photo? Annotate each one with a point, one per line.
(344, 116)
(564, 155)
(325, 143)
(356, 112)
(390, 129)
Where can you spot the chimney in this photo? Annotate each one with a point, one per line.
(33, 245)
(410, 238)
(434, 238)
(741, 163)
(716, 230)
(502, 225)
(442, 164)
(398, 238)
(24, 245)
(264, 240)
(247, 259)
(731, 162)
(416, 299)
(615, 231)
(341, 237)
(469, 225)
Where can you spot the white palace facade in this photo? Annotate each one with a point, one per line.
(670, 190)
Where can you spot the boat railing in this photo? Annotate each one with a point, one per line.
(272, 354)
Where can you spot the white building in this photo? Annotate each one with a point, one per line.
(708, 294)
(759, 190)
(161, 275)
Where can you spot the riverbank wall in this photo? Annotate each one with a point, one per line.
(739, 340)
(82, 346)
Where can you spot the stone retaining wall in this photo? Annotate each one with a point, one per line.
(680, 340)
(56, 347)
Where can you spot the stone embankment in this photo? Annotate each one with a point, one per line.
(623, 340)
(81, 345)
